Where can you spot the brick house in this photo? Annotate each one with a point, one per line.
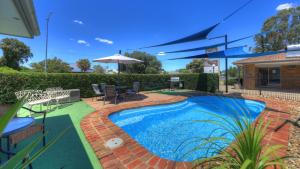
(281, 71)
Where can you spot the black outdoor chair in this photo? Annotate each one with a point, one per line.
(135, 89)
(97, 91)
(102, 87)
(110, 92)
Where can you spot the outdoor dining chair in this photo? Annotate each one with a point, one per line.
(97, 91)
(110, 93)
(102, 87)
(135, 89)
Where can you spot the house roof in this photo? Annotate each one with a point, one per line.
(18, 18)
(280, 57)
(209, 62)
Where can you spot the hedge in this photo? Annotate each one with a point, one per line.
(12, 82)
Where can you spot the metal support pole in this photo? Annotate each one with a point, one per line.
(226, 65)
(46, 55)
(120, 52)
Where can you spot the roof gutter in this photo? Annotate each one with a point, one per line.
(27, 13)
(269, 61)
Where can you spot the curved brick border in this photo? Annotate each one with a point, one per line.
(98, 129)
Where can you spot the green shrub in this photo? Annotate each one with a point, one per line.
(232, 81)
(12, 82)
(247, 151)
(5, 69)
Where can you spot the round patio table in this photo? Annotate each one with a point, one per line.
(15, 125)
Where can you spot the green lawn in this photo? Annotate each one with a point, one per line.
(72, 151)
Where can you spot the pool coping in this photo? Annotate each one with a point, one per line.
(98, 128)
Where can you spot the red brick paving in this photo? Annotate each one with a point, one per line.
(98, 129)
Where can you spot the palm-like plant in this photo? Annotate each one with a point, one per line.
(247, 151)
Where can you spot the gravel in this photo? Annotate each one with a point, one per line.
(294, 141)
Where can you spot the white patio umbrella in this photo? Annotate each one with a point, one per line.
(117, 58)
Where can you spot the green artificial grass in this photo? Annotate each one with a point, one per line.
(72, 151)
(173, 92)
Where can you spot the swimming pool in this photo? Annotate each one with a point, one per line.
(170, 131)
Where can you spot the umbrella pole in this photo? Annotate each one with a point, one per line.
(118, 83)
(120, 52)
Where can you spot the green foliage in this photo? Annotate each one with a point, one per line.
(12, 82)
(232, 81)
(234, 72)
(206, 82)
(83, 64)
(150, 64)
(246, 152)
(184, 71)
(196, 66)
(98, 69)
(283, 28)
(15, 53)
(54, 65)
(5, 69)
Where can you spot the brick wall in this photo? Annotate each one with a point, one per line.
(249, 76)
(290, 77)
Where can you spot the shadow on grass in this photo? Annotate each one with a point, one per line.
(68, 152)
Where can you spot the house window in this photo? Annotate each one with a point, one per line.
(269, 76)
(274, 76)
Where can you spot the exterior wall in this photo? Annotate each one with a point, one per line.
(250, 73)
(211, 69)
(290, 77)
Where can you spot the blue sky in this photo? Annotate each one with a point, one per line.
(98, 28)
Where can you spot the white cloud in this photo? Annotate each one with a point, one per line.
(161, 54)
(83, 42)
(104, 41)
(78, 21)
(284, 6)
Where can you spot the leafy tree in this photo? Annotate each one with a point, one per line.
(15, 53)
(150, 64)
(233, 72)
(196, 66)
(282, 29)
(98, 69)
(184, 71)
(83, 64)
(54, 65)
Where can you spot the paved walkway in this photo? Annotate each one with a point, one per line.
(98, 129)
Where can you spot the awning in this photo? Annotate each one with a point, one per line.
(237, 52)
(17, 18)
(197, 36)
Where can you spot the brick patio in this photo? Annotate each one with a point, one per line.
(98, 129)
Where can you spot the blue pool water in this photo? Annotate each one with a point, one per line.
(170, 131)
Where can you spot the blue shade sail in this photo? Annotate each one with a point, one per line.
(209, 46)
(197, 36)
(237, 52)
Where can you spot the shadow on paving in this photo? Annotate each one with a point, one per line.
(66, 153)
